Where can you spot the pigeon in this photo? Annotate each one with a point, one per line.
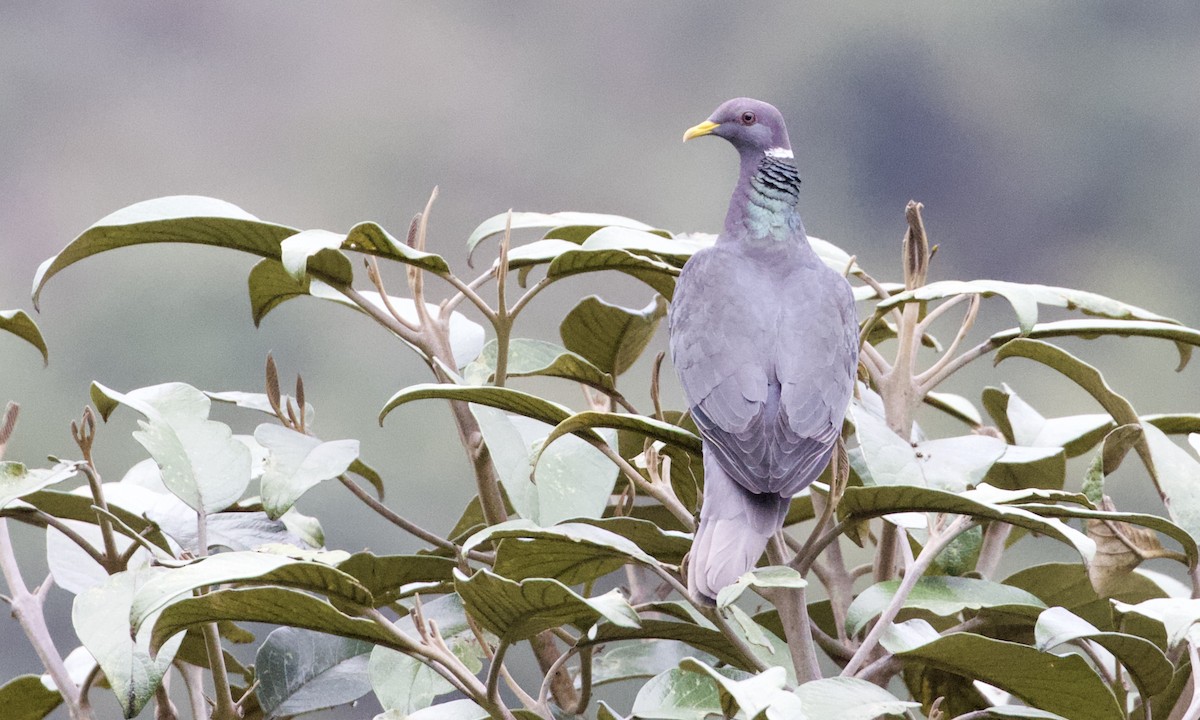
(764, 338)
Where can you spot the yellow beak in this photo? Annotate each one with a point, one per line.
(703, 128)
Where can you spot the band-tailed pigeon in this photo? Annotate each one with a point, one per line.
(764, 337)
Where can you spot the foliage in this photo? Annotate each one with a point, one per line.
(576, 542)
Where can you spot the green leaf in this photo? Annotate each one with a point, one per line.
(299, 671)
(385, 575)
(573, 225)
(26, 698)
(100, 617)
(571, 479)
(72, 506)
(75, 570)
(1183, 337)
(610, 336)
(276, 605)
(404, 683)
(775, 576)
(642, 659)
(259, 402)
(297, 463)
(20, 324)
(687, 627)
(1067, 585)
(1175, 423)
(1162, 705)
(372, 239)
(1175, 473)
(1147, 665)
(247, 567)
(572, 553)
(526, 257)
(675, 250)
(270, 285)
(668, 546)
(16, 480)
(408, 684)
(1079, 372)
(885, 458)
(193, 650)
(1023, 425)
(1029, 467)
(1002, 712)
(537, 357)
(752, 696)
(501, 398)
(1154, 522)
(316, 252)
(768, 647)
(942, 596)
(603, 712)
(452, 710)
(678, 695)
(847, 698)
(1066, 685)
(517, 611)
(202, 463)
(657, 430)
(980, 502)
(955, 406)
(660, 276)
(1177, 615)
(179, 218)
(1025, 299)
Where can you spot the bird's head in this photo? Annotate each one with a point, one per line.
(751, 126)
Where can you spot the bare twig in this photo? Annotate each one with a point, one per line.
(193, 681)
(529, 702)
(493, 676)
(529, 295)
(441, 660)
(994, 539)
(37, 518)
(225, 707)
(416, 276)
(468, 291)
(7, 423)
(654, 386)
(948, 356)
(932, 378)
(1193, 709)
(659, 491)
(27, 609)
(875, 362)
(792, 604)
(376, 279)
(84, 434)
(503, 322)
(164, 709)
(932, 548)
(937, 312)
(405, 524)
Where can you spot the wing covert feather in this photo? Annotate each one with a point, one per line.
(766, 358)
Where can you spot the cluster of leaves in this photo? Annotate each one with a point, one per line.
(581, 522)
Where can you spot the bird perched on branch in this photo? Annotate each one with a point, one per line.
(764, 337)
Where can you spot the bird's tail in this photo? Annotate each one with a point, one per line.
(735, 525)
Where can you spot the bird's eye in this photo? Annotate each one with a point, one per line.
(748, 118)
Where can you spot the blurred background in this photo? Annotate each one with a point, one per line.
(1050, 142)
